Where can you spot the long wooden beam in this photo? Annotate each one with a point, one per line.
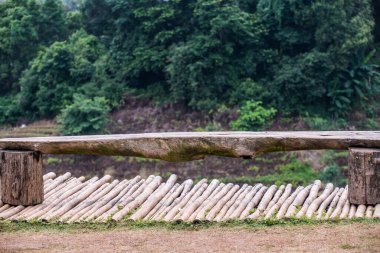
(187, 146)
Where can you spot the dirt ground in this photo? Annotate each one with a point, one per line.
(307, 238)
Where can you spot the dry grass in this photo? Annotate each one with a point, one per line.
(37, 129)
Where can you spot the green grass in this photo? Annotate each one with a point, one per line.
(37, 226)
(294, 172)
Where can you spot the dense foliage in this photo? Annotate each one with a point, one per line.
(253, 117)
(313, 58)
(84, 116)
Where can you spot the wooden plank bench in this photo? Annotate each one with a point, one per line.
(21, 158)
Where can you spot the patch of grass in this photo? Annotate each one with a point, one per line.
(36, 226)
(264, 159)
(142, 160)
(118, 158)
(53, 161)
(254, 168)
(348, 246)
(294, 172)
(329, 156)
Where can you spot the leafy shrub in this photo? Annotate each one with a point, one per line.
(8, 109)
(253, 116)
(333, 175)
(324, 124)
(295, 172)
(355, 86)
(78, 65)
(84, 116)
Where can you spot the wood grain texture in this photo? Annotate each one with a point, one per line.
(187, 146)
(364, 176)
(21, 177)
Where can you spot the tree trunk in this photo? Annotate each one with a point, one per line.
(21, 177)
(364, 176)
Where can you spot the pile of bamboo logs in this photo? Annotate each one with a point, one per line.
(69, 199)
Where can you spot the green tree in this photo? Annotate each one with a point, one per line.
(315, 43)
(205, 70)
(253, 116)
(18, 41)
(25, 27)
(84, 116)
(61, 70)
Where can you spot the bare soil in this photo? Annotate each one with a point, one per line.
(306, 238)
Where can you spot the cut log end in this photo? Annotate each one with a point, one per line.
(364, 176)
(21, 177)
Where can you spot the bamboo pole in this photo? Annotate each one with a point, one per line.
(176, 189)
(197, 202)
(341, 202)
(317, 202)
(369, 212)
(214, 193)
(139, 199)
(334, 203)
(135, 200)
(298, 201)
(57, 199)
(230, 202)
(177, 205)
(47, 182)
(49, 175)
(376, 212)
(57, 187)
(195, 196)
(345, 210)
(177, 209)
(206, 208)
(276, 197)
(54, 194)
(237, 202)
(312, 196)
(360, 211)
(89, 201)
(83, 205)
(96, 209)
(281, 200)
(215, 210)
(326, 202)
(108, 201)
(284, 207)
(11, 211)
(187, 187)
(84, 210)
(153, 200)
(263, 203)
(4, 207)
(128, 197)
(173, 200)
(352, 212)
(58, 181)
(72, 203)
(248, 202)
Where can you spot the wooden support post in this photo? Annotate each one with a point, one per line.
(21, 177)
(364, 176)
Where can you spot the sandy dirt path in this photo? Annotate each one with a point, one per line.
(307, 238)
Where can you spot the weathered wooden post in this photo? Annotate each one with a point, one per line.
(21, 177)
(364, 176)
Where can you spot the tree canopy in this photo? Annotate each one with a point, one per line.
(296, 56)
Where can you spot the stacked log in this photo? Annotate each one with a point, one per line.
(69, 199)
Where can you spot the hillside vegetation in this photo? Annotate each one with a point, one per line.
(314, 60)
